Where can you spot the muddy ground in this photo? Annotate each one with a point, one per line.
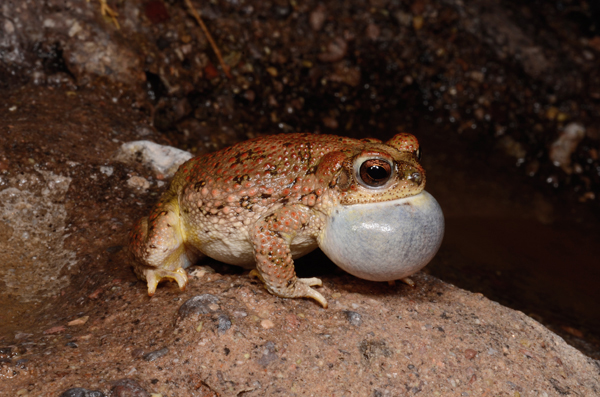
(504, 98)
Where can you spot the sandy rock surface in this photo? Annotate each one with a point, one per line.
(233, 338)
(225, 335)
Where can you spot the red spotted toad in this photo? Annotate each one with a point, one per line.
(263, 202)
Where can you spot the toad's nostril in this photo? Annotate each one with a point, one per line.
(415, 176)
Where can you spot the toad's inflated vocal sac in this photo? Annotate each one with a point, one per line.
(263, 202)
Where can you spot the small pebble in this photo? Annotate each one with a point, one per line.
(155, 354)
(353, 318)
(81, 392)
(404, 18)
(108, 171)
(55, 330)
(199, 304)
(317, 18)
(224, 324)
(470, 354)
(330, 122)
(268, 355)
(272, 71)
(128, 388)
(78, 321)
(267, 324)
(565, 145)
(137, 353)
(373, 31)
(336, 51)
(418, 22)
(137, 182)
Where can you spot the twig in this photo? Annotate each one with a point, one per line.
(196, 15)
(107, 11)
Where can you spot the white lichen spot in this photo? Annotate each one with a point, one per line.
(108, 171)
(161, 159)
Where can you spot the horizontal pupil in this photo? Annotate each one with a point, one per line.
(377, 172)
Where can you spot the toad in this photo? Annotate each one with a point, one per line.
(266, 201)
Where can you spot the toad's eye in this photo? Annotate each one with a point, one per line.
(375, 172)
(418, 154)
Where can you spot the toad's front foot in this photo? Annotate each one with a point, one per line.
(154, 276)
(301, 288)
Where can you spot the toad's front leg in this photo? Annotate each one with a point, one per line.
(157, 244)
(271, 238)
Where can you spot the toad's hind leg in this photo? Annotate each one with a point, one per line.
(271, 238)
(157, 245)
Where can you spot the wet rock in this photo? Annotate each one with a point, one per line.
(155, 355)
(563, 147)
(162, 159)
(353, 318)
(199, 304)
(81, 392)
(128, 388)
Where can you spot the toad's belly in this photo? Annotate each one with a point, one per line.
(236, 248)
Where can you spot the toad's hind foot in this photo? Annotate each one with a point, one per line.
(408, 281)
(311, 282)
(155, 276)
(302, 290)
(298, 289)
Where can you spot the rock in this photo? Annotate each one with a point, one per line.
(317, 18)
(354, 318)
(565, 145)
(81, 392)
(200, 304)
(78, 321)
(138, 182)
(128, 388)
(163, 160)
(224, 323)
(55, 330)
(335, 51)
(155, 354)
(268, 354)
